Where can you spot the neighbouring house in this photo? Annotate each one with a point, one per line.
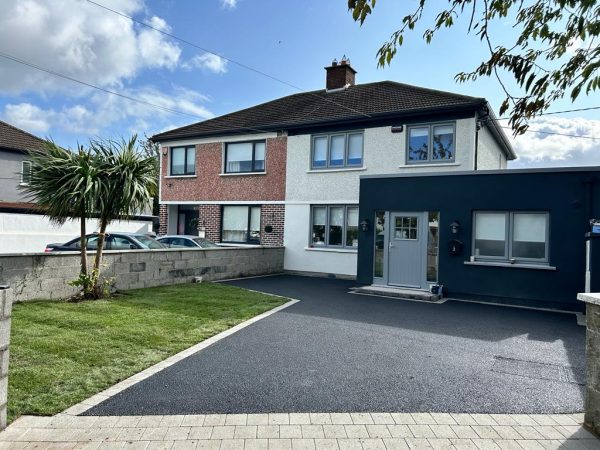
(510, 236)
(23, 227)
(286, 172)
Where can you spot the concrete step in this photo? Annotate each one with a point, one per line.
(390, 291)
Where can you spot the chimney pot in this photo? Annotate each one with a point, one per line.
(340, 74)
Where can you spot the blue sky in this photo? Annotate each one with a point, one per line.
(291, 41)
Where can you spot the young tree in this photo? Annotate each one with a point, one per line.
(64, 185)
(554, 54)
(128, 182)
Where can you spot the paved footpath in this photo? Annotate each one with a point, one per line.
(301, 431)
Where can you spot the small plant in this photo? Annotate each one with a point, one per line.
(93, 286)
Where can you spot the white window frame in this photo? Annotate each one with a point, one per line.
(429, 159)
(327, 217)
(346, 163)
(508, 238)
(24, 170)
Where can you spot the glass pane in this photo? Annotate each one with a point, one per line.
(443, 142)
(255, 223)
(235, 223)
(336, 154)
(352, 227)
(336, 225)
(418, 144)
(433, 238)
(490, 234)
(355, 149)
(259, 156)
(379, 243)
(406, 228)
(319, 218)
(529, 236)
(191, 161)
(239, 157)
(178, 161)
(119, 243)
(26, 172)
(320, 152)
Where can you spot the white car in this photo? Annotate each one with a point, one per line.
(185, 241)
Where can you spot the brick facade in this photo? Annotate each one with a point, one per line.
(163, 219)
(272, 215)
(210, 221)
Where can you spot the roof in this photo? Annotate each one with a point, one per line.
(361, 102)
(13, 138)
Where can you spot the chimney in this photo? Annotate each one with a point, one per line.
(340, 75)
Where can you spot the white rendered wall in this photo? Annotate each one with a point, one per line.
(489, 154)
(384, 152)
(28, 233)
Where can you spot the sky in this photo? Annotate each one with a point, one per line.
(291, 41)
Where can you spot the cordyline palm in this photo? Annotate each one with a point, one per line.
(128, 184)
(64, 185)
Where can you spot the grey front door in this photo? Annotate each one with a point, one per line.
(406, 249)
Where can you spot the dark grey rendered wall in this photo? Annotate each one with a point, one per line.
(570, 196)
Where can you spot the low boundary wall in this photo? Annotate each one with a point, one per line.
(46, 275)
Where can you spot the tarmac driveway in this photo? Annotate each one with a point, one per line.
(339, 352)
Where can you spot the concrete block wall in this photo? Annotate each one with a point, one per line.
(5, 314)
(592, 410)
(46, 275)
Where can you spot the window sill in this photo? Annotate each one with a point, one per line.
(344, 169)
(509, 265)
(415, 165)
(241, 174)
(330, 250)
(180, 176)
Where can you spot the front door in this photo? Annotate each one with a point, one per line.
(407, 246)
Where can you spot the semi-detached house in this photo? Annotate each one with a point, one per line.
(286, 172)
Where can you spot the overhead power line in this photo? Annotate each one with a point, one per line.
(559, 112)
(557, 134)
(233, 61)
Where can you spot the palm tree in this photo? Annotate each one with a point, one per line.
(128, 185)
(64, 186)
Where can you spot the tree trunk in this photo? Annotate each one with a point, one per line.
(96, 289)
(83, 243)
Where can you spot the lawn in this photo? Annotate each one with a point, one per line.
(61, 353)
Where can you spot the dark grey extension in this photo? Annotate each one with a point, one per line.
(338, 352)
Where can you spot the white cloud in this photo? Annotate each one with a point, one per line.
(207, 61)
(230, 4)
(105, 113)
(80, 40)
(540, 149)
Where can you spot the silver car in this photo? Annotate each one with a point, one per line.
(186, 241)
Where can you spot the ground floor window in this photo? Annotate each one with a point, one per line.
(511, 236)
(334, 226)
(241, 224)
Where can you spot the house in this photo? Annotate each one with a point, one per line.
(286, 172)
(23, 227)
(509, 236)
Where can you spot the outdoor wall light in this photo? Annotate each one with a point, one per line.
(165, 150)
(364, 225)
(455, 227)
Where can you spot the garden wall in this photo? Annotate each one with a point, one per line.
(46, 275)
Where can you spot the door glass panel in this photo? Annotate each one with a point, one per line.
(319, 221)
(433, 239)
(406, 228)
(320, 152)
(490, 234)
(529, 236)
(379, 243)
(336, 156)
(336, 225)
(352, 227)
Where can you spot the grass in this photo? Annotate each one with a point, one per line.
(62, 353)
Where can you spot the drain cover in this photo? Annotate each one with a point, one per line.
(540, 371)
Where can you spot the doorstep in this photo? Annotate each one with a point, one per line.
(398, 292)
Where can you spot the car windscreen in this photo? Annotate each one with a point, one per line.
(148, 242)
(205, 243)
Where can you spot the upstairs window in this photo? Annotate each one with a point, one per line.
(243, 157)
(183, 160)
(339, 150)
(511, 236)
(26, 173)
(431, 143)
